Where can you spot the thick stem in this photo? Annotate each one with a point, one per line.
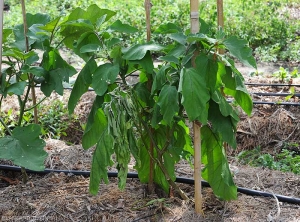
(5, 126)
(148, 21)
(1, 34)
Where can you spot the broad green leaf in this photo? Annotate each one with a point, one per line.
(168, 102)
(6, 34)
(87, 44)
(143, 169)
(104, 76)
(143, 93)
(178, 37)
(118, 26)
(194, 94)
(16, 88)
(222, 124)
(159, 79)
(134, 149)
(19, 55)
(216, 171)
(200, 37)
(156, 116)
(138, 51)
(167, 29)
(239, 48)
(169, 58)
(225, 108)
(35, 70)
(242, 96)
(177, 51)
(101, 160)
(90, 48)
(50, 26)
(92, 134)
(146, 63)
(82, 83)
(24, 147)
(97, 104)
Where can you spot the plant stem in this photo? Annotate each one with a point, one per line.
(5, 126)
(30, 77)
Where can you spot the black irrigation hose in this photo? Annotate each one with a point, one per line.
(276, 94)
(178, 180)
(270, 84)
(272, 103)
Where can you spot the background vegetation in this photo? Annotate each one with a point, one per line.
(271, 27)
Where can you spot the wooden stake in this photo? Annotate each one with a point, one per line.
(220, 18)
(151, 148)
(195, 27)
(1, 34)
(148, 21)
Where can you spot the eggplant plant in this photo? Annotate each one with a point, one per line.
(127, 117)
(141, 104)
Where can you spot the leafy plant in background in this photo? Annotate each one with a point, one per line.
(25, 70)
(127, 118)
(284, 75)
(286, 161)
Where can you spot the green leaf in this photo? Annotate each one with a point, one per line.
(159, 79)
(92, 134)
(239, 49)
(167, 28)
(216, 171)
(143, 93)
(169, 58)
(178, 37)
(87, 44)
(101, 160)
(82, 83)
(50, 26)
(222, 124)
(16, 88)
(19, 55)
(194, 94)
(138, 51)
(118, 26)
(24, 147)
(168, 101)
(104, 76)
(58, 71)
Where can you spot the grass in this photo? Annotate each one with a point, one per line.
(262, 23)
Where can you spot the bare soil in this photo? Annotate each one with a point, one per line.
(65, 197)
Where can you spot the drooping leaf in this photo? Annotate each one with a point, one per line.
(216, 171)
(194, 94)
(82, 83)
(101, 160)
(24, 147)
(143, 93)
(118, 26)
(168, 102)
(104, 76)
(159, 79)
(222, 124)
(93, 134)
(178, 37)
(169, 58)
(240, 49)
(138, 51)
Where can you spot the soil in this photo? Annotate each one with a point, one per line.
(65, 197)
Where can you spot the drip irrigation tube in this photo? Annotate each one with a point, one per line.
(276, 94)
(270, 84)
(272, 103)
(178, 180)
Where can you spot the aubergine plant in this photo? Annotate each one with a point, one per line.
(131, 112)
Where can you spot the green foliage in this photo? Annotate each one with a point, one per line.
(129, 118)
(286, 160)
(284, 75)
(24, 147)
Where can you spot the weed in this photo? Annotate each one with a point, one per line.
(286, 161)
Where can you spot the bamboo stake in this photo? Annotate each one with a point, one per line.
(151, 148)
(30, 76)
(220, 18)
(1, 34)
(195, 27)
